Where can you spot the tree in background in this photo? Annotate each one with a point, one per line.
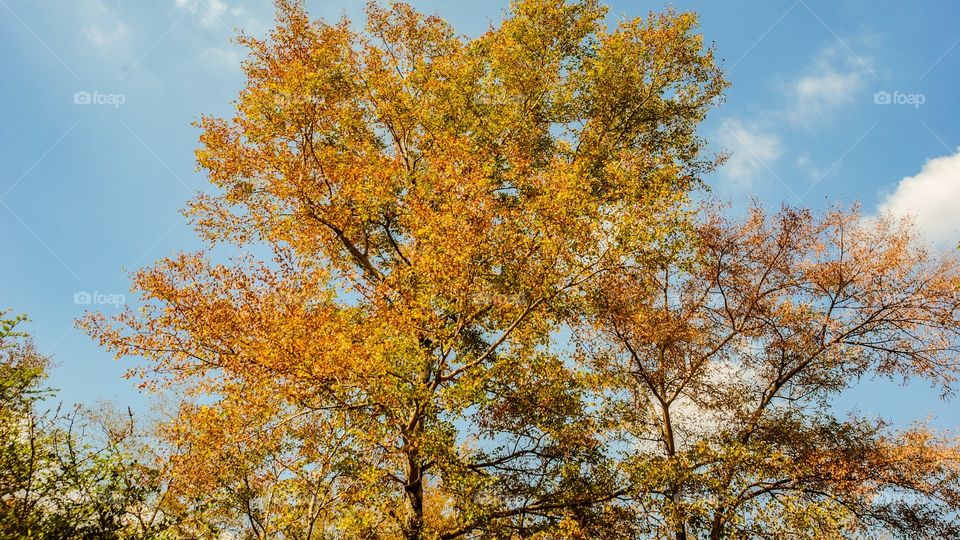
(67, 475)
(722, 362)
(432, 204)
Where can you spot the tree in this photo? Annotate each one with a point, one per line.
(431, 207)
(721, 363)
(61, 475)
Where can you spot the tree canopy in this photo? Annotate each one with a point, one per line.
(479, 301)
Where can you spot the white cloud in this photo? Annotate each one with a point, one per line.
(209, 11)
(806, 164)
(105, 29)
(834, 79)
(220, 57)
(752, 151)
(213, 13)
(931, 197)
(104, 38)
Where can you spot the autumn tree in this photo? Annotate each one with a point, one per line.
(426, 207)
(721, 361)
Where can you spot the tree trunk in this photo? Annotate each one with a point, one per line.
(681, 531)
(413, 529)
(716, 530)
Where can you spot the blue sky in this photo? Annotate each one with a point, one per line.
(831, 102)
